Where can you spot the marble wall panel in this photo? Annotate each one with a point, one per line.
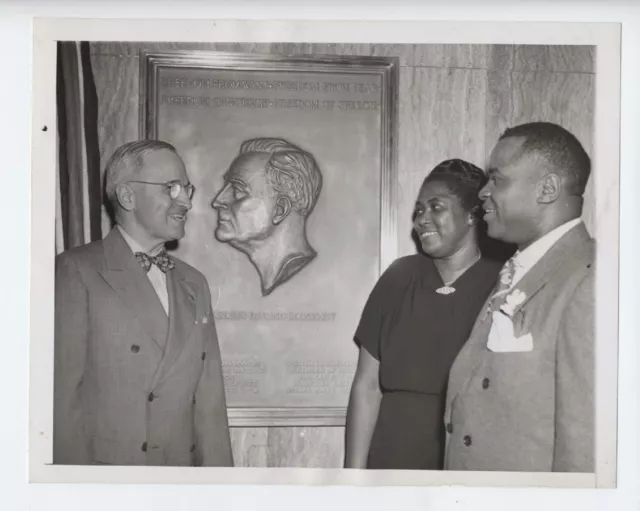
(435, 55)
(306, 447)
(124, 49)
(117, 79)
(250, 447)
(288, 447)
(557, 59)
(320, 49)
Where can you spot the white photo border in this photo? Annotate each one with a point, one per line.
(605, 37)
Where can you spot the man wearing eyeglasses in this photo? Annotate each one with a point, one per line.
(138, 377)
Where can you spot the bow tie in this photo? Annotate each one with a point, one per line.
(162, 261)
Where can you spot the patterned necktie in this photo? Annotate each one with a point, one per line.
(162, 261)
(504, 284)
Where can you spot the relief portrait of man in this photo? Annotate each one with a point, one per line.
(269, 192)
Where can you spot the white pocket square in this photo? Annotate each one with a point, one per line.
(205, 319)
(502, 338)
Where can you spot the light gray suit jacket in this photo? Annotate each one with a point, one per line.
(133, 387)
(531, 411)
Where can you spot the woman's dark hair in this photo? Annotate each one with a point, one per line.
(463, 179)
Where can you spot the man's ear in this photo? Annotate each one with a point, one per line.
(125, 196)
(550, 188)
(283, 208)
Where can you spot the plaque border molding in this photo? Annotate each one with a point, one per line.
(388, 70)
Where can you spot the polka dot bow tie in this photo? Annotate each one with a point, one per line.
(162, 261)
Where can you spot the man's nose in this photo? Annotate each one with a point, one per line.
(215, 203)
(220, 201)
(484, 192)
(183, 199)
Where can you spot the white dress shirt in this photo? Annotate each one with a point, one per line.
(155, 275)
(526, 259)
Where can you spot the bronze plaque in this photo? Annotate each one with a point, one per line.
(293, 241)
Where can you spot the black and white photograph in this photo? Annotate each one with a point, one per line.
(397, 260)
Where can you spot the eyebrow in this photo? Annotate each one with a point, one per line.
(233, 179)
(441, 198)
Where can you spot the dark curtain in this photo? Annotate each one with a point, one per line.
(79, 185)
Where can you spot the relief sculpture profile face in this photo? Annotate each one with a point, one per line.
(268, 193)
(246, 204)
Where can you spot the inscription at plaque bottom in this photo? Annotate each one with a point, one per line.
(242, 376)
(319, 376)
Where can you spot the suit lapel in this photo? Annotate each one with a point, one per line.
(564, 252)
(127, 278)
(182, 314)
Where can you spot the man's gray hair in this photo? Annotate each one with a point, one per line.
(291, 171)
(127, 160)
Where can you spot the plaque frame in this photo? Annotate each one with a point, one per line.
(388, 69)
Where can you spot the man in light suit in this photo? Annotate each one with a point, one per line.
(138, 377)
(520, 395)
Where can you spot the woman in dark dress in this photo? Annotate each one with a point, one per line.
(413, 325)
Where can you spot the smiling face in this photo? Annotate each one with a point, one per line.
(154, 212)
(510, 197)
(246, 204)
(440, 221)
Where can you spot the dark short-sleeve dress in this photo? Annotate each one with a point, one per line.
(416, 334)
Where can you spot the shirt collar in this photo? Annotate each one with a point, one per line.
(135, 246)
(534, 252)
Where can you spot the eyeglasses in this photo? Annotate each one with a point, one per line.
(174, 188)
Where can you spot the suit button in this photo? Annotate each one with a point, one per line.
(193, 401)
(144, 447)
(485, 383)
(467, 440)
(193, 447)
(135, 348)
(151, 397)
(449, 428)
(204, 355)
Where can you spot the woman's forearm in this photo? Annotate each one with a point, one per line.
(362, 414)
